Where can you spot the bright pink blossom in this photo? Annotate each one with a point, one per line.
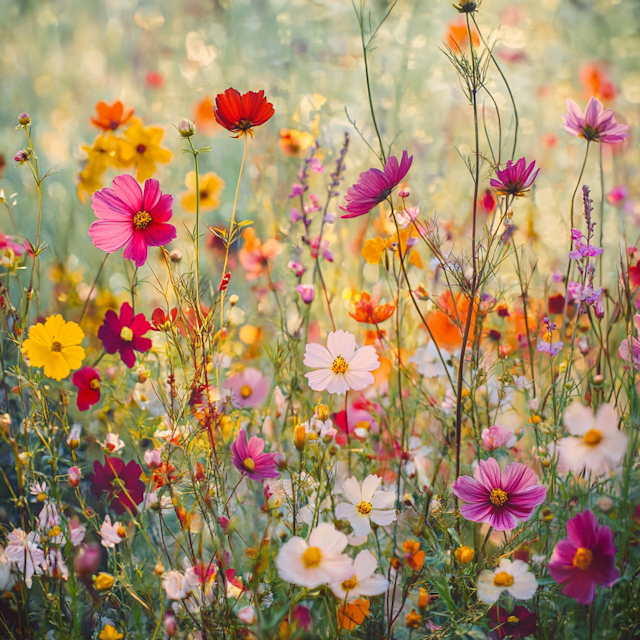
(585, 559)
(597, 124)
(374, 186)
(499, 498)
(514, 179)
(132, 219)
(248, 458)
(495, 437)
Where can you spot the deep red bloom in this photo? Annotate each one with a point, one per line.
(124, 334)
(161, 321)
(556, 304)
(120, 482)
(240, 113)
(88, 382)
(520, 623)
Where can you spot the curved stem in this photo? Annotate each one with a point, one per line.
(93, 286)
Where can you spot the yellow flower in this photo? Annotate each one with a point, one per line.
(141, 147)
(110, 633)
(101, 153)
(211, 186)
(55, 345)
(373, 249)
(464, 554)
(103, 581)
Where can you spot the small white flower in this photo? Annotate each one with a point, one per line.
(595, 443)
(112, 444)
(112, 534)
(178, 585)
(366, 505)
(514, 576)
(428, 361)
(54, 565)
(318, 561)
(363, 582)
(522, 382)
(340, 366)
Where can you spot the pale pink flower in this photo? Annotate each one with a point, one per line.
(25, 554)
(112, 534)
(495, 437)
(597, 124)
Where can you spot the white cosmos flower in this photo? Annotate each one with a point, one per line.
(595, 443)
(319, 561)
(514, 576)
(366, 505)
(363, 582)
(340, 366)
(428, 361)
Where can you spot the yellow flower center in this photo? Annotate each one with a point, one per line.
(547, 336)
(54, 532)
(592, 437)
(312, 558)
(498, 497)
(249, 464)
(583, 558)
(126, 334)
(245, 391)
(56, 347)
(122, 532)
(142, 220)
(513, 619)
(42, 497)
(339, 365)
(350, 584)
(364, 508)
(95, 384)
(502, 579)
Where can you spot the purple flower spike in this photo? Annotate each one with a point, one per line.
(597, 124)
(514, 179)
(584, 559)
(249, 459)
(374, 186)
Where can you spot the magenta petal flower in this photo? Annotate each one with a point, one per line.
(374, 186)
(584, 559)
(597, 124)
(132, 219)
(125, 333)
(499, 498)
(249, 459)
(514, 179)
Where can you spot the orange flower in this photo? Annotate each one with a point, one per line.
(596, 82)
(373, 249)
(203, 116)
(254, 255)
(368, 313)
(352, 614)
(294, 142)
(448, 322)
(111, 117)
(458, 36)
(413, 555)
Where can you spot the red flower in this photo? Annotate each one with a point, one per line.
(88, 382)
(120, 482)
(124, 334)
(162, 321)
(240, 113)
(634, 275)
(556, 304)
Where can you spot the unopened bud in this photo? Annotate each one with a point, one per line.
(299, 437)
(159, 568)
(323, 412)
(233, 300)
(186, 128)
(24, 119)
(175, 255)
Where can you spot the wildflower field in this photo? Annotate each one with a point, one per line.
(319, 319)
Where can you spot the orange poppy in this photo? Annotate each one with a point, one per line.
(596, 82)
(240, 113)
(203, 116)
(413, 555)
(458, 36)
(111, 117)
(367, 312)
(352, 614)
(448, 323)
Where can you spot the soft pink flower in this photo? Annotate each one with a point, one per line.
(495, 437)
(248, 389)
(629, 351)
(132, 219)
(597, 124)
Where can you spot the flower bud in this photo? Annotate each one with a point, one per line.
(153, 458)
(323, 412)
(233, 300)
(74, 476)
(170, 623)
(24, 119)
(464, 554)
(299, 437)
(404, 193)
(413, 620)
(159, 568)
(175, 255)
(22, 156)
(224, 523)
(423, 599)
(186, 128)
(103, 581)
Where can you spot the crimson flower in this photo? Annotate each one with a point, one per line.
(124, 334)
(88, 382)
(161, 321)
(520, 623)
(249, 459)
(120, 482)
(240, 113)
(514, 179)
(374, 186)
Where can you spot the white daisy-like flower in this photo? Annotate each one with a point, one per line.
(366, 505)
(428, 361)
(318, 561)
(340, 366)
(514, 576)
(363, 582)
(112, 534)
(595, 443)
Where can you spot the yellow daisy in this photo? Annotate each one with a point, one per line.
(141, 147)
(55, 345)
(211, 186)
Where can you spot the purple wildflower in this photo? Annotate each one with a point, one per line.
(249, 459)
(546, 345)
(514, 179)
(499, 498)
(307, 292)
(374, 186)
(585, 559)
(297, 189)
(597, 124)
(582, 250)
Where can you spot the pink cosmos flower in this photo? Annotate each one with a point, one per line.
(514, 179)
(495, 437)
(597, 124)
(249, 459)
(127, 216)
(374, 186)
(629, 351)
(584, 559)
(499, 498)
(248, 389)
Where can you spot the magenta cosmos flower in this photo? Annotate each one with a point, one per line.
(249, 459)
(499, 498)
(514, 179)
(597, 124)
(374, 186)
(125, 333)
(248, 389)
(131, 219)
(121, 482)
(584, 559)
